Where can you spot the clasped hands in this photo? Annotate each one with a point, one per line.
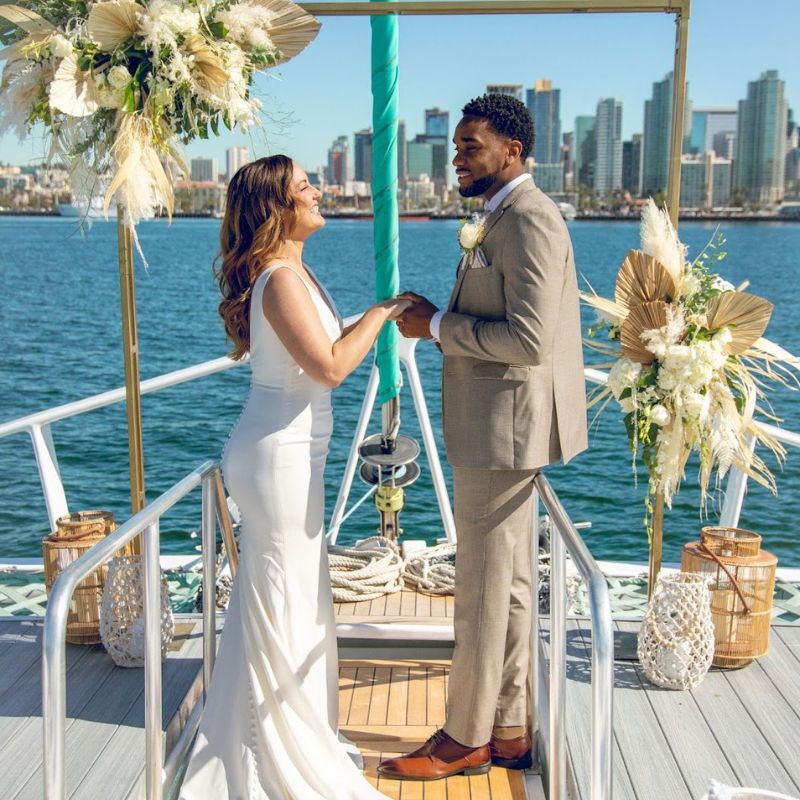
(415, 321)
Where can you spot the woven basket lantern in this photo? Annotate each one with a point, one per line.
(74, 535)
(742, 585)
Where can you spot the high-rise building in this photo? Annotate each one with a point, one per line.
(761, 140)
(512, 89)
(567, 156)
(437, 134)
(657, 130)
(706, 124)
(204, 169)
(338, 170)
(724, 144)
(437, 123)
(235, 159)
(608, 135)
(705, 181)
(402, 155)
(544, 102)
(632, 164)
(585, 151)
(549, 177)
(362, 155)
(420, 158)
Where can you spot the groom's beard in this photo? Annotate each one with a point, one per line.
(478, 187)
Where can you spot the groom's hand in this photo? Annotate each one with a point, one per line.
(415, 323)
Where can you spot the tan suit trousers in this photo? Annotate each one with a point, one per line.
(489, 675)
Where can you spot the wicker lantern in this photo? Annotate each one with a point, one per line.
(74, 535)
(742, 585)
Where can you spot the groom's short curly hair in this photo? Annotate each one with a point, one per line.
(506, 115)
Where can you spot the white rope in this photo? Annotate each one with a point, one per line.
(366, 571)
(432, 570)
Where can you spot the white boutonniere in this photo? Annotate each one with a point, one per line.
(470, 234)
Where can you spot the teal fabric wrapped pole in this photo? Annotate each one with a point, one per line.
(384, 192)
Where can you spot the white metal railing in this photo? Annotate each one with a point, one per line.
(146, 522)
(565, 538)
(38, 426)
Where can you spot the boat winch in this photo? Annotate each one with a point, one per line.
(390, 463)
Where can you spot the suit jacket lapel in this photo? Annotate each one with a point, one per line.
(491, 221)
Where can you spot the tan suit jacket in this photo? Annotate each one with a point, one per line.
(513, 390)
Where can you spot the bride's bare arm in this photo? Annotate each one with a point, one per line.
(291, 312)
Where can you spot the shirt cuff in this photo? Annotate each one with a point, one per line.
(435, 323)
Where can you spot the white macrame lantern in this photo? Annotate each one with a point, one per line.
(676, 640)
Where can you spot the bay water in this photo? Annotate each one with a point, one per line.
(60, 340)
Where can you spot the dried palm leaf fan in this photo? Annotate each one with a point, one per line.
(742, 585)
(641, 318)
(75, 534)
(745, 315)
(642, 278)
(291, 29)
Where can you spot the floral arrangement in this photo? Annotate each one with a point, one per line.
(120, 84)
(689, 361)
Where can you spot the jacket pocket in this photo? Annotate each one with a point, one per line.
(497, 370)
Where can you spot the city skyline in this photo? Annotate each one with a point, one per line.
(580, 56)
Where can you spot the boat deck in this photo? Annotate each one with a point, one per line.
(391, 707)
(105, 712)
(741, 727)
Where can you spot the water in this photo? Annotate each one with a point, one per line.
(60, 340)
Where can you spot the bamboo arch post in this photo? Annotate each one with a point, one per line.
(656, 543)
(130, 352)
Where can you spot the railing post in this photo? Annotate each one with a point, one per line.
(209, 580)
(735, 490)
(558, 664)
(54, 691)
(534, 657)
(152, 663)
(352, 459)
(49, 474)
(602, 688)
(407, 348)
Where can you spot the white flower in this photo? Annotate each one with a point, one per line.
(163, 20)
(691, 283)
(60, 46)
(627, 404)
(659, 415)
(723, 285)
(247, 24)
(623, 375)
(722, 337)
(118, 77)
(470, 234)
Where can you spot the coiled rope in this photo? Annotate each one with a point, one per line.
(366, 571)
(432, 570)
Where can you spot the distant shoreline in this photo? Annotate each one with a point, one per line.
(424, 217)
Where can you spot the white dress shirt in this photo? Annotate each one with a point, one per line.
(491, 204)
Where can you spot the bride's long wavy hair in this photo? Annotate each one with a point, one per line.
(259, 211)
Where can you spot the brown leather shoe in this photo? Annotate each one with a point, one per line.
(440, 757)
(511, 753)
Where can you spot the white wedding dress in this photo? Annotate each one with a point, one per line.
(269, 728)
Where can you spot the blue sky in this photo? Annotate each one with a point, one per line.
(444, 61)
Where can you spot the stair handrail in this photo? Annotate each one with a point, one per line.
(54, 680)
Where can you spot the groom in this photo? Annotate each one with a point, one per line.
(513, 401)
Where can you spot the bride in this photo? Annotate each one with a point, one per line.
(269, 727)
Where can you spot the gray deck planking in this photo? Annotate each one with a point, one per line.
(740, 727)
(105, 717)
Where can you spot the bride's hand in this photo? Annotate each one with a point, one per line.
(395, 307)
